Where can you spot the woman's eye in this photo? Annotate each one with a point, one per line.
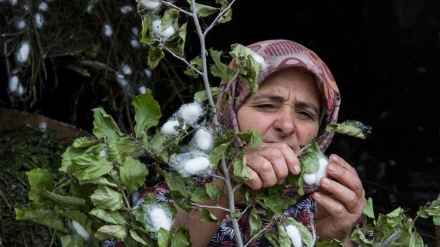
(266, 106)
(307, 115)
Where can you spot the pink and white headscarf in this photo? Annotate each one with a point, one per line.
(280, 54)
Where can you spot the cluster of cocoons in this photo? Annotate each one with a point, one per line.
(164, 32)
(156, 217)
(79, 229)
(189, 113)
(315, 178)
(15, 87)
(294, 235)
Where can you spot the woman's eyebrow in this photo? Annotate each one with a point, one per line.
(280, 99)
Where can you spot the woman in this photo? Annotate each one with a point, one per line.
(297, 98)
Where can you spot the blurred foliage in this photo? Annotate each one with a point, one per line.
(24, 149)
(90, 47)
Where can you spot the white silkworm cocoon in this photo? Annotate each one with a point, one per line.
(38, 20)
(322, 172)
(43, 6)
(135, 43)
(203, 139)
(169, 128)
(191, 112)
(150, 4)
(21, 24)
(148, 73)
(13, 2)
(22, 55)
(126, 69)
(135, 31)
(20, 90)
(42, 125)
(165, 32)
(309, 178)
(13, 84)
(79, 229)
(159, 219)
(294, 235)
(196, 165)
(142, 89)
(126, 9)
(120, 78)
(108, 30)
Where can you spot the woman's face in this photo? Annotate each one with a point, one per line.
(284, 110)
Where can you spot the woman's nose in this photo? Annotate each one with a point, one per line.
(285, 122)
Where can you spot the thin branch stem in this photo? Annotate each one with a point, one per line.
(182, 59)
(211, 207)
(217, 18)
(257, 235)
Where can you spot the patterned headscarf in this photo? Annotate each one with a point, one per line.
(278, 55)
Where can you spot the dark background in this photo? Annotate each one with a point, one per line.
(384, 56)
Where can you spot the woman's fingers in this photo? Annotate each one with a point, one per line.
(269, 164)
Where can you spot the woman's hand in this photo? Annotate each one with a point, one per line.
(269, 164)
(340, 201)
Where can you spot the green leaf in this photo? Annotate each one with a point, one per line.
(251, 138)
(85, 142)
(90, 166)
(109, 231)
(226, 17)
(207, 216)
(112, 217)
(41, 216)
(273, 200)
(272, 238)
(147, 36)
(239, 167)
(255, 222)
(136, 237)
(180, 238)
(202, 96)
(133, 174)
(72, 241)
(249, 68)
(351, 128)
(107, 198)
(219, 69)
(147, 112)
(154, 57)
(310, 158)
(204, 10)
(99, 181)
(64, 200)
(121, 148)
(197, 64)
(213, 191)
(104, 125)
(39, 179)
(221, 144)
(369, 210)
(162, 237)
(199, 195)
